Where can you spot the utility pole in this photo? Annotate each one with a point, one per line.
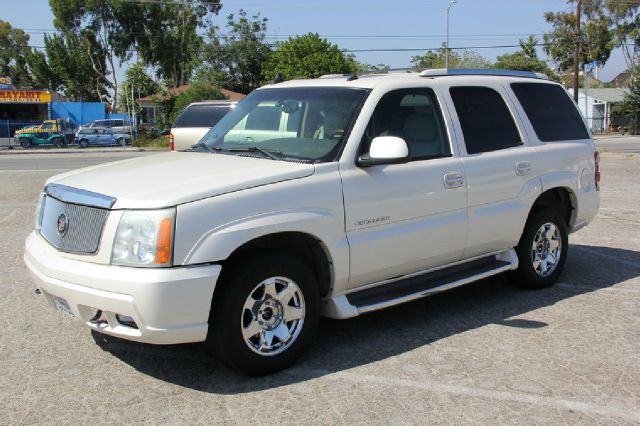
(576, 54)
(446, 54)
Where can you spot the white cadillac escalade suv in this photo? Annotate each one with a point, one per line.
(378, 190)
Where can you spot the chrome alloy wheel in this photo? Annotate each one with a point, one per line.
(546, 249)
(272, 316)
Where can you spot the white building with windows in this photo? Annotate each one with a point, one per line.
(597, 108)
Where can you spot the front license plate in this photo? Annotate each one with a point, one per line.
(62, 305)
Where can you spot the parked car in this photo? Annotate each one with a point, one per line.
(100, 136)
(387, 189)
(195, 121)
(116, 125)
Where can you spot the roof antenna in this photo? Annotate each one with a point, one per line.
(352, 77)
(279, 79)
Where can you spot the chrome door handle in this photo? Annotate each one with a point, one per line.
(453, 180)
(523, 168)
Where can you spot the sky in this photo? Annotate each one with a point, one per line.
(357, 25)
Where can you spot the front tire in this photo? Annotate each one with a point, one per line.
(542, 250)
(264, 314)
(25, 143)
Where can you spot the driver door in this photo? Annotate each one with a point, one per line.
(405, 218)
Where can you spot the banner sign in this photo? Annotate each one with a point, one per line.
(6, 83)
(591, 66)
(25, 96)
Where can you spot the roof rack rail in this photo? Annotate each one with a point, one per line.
(441, 72)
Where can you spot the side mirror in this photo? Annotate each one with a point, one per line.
(385, 150)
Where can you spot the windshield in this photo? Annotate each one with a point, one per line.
(303, 123)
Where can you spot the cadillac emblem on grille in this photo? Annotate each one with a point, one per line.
(63, 224)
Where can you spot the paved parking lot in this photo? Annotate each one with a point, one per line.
(486, 353)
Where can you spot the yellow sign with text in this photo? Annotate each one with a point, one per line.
(25, 96)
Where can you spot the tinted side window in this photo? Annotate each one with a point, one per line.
(201, 116)
(264, 118)
(117, 123)
(551, 112)
(413, 115)
(487, 124)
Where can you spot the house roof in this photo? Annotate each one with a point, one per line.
(607, 94)
(233, 96)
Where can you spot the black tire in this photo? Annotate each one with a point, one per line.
(119, 141)
(225, 339)
(83, 143)
(25, 143)
(527, 276)
(57, 142)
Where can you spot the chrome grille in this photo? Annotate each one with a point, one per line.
(84, 226)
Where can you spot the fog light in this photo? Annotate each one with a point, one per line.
(126, 320)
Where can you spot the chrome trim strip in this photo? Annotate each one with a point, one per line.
(431, 291)
(67, 194)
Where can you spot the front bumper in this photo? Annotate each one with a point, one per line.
(168, 305)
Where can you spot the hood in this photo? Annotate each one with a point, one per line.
(179, 177)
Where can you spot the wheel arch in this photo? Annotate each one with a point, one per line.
(561, 198)
(306, 247)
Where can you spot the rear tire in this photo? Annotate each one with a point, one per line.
(57, 142)
(542, 250)
(264, 314)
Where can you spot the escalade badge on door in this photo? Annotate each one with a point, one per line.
(63, 224)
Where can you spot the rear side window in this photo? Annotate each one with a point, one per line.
(201, 115)
(264, 118)
(487, 124)
(552, 113)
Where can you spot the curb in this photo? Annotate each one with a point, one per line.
(21, 151)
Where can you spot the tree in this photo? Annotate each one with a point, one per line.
(628, 110)
(70, 65)
(626, 29)
(307, 56)
(164, 33)
(596, 40)
(234, 59)
(14, 51)
(458, 58)
(138, 82)
(196, 92)
(524, 60)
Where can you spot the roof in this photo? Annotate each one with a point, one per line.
(611, 95)
(371, 81)
(232, 96)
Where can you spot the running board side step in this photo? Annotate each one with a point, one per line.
(416, 287)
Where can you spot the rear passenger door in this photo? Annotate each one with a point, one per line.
(500, 166)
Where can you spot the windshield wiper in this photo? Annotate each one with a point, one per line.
(205, 146)
(274, 155)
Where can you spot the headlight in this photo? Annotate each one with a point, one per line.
(144, 238)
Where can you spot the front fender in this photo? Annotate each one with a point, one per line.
(219, 242)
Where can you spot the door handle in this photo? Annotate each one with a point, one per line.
(523, 168)
(453, 180)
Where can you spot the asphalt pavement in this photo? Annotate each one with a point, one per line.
(487, 353)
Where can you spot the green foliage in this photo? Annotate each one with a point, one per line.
(626, 28)
(307, 56)
(139, 84)
(74, 64)
(596, 39)
(234, 59)
(458, 58)
(14, 51)
(628, 111)
(196, 92)
(524, 60)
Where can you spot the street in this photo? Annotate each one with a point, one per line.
(487, 353)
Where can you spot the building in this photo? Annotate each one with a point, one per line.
(598, 106)
(151, 105)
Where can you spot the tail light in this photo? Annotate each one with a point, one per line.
(596, 158)
(170, 141)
